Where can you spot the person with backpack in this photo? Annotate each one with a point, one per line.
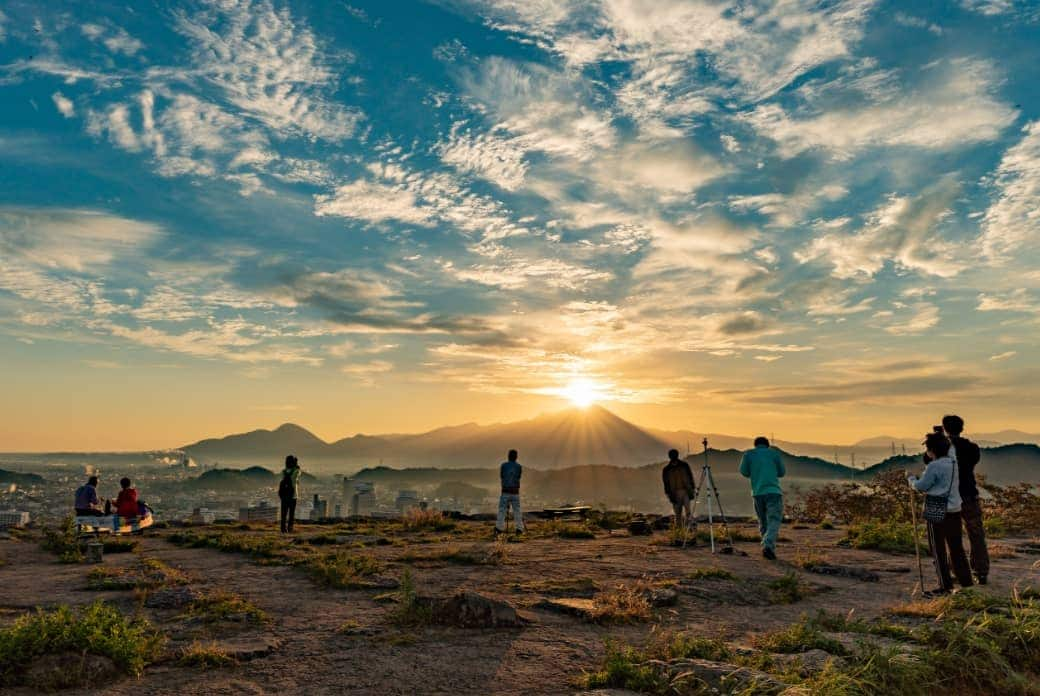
(126, 501)
(679, 487)
(289, 493)
(942, 512)
(968, 456)
(510, 473)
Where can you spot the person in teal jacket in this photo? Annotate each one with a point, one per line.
(765, 469)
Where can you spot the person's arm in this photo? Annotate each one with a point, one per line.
(781, 470)
(745, 466)
(928, 479)
(664, 479)
(691, 488)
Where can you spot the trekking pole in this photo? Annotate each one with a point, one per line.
(917, 542)
(708, 479)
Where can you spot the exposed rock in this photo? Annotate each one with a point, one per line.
(250, 647)
(69, 669)
(172, 598)
(809, 662)
(663, 597)
(844, 571)
(688, 675)
(472, 610)
(581, 607)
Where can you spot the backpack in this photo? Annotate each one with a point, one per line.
(286, 489)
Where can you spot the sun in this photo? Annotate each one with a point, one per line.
(582, 392)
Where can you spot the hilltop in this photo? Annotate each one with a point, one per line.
(21, 479)
(1002, 465)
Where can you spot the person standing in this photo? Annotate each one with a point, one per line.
(968, 456)
(944, 537)
(764, 467)
(87, 503)
(679, 487)
(510, 473)
(289, 493)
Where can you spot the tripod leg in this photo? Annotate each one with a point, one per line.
(722, 513)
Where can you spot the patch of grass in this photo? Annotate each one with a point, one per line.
(809, 559)
(621, 605)
(826, 525)
(798, 638)
(120, 545)
(255, 545)
(410, 609)
(149, 573)
(226, 606)
(63, 541)
(996, 527)
(342, 570)
(494, 555)
(416, 520)
(711, 573)
(787, 589)
(735, 533)
(96, 629)
(887, 536)
(624, 668)
(205, 656)
(685, 646)
(576, 531)
(102, 579)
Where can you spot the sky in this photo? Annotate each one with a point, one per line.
(813, 219)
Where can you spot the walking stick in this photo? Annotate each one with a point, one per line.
(917, 541)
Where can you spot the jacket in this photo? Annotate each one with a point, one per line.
(126, 503)
(294, 476)
(968, 455)
(677, 478)
(765, 468)
(936, 481)
(510, 473)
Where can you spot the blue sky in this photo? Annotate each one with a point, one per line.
(817, 219)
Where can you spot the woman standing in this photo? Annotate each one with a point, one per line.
(943, 513)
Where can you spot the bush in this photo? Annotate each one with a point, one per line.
(798, 638)
(97, 629)
(622, 604)
(63, 541)
(886, 497)
(410, 609)
(624, 668)
(1015, 509)
(886, 535)
(418, 520)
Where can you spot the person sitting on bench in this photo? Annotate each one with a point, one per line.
(87, 502)
(126, 503)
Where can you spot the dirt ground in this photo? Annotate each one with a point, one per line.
(544, 657)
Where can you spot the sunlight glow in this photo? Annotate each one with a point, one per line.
(582, 392)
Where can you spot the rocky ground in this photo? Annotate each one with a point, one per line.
(498, 618)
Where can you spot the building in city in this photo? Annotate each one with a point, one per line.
(362, 498)
(201, 515)
(13, 518)
(261, 513)
(406, 500)
(319, 508)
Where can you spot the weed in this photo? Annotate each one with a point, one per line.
(342, 570)
(104, 579)
(787, 589)
(624, 668)
(684, 646)
(623, 604)
(418, 520)
(798, 638)
(226, 606)
(711, 573)
(63, 541)
(202, 655)
(118, 545)
(410, 609)
(887, 535)
(97, 629)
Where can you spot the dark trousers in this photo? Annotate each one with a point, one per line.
(971, 515)
(288, 515)
(88, 512)
(946, 546)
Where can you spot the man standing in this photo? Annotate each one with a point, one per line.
(968, 455)
(87, 502)
(510, 473)
(765, 469)
(289, 493)
(679, 487)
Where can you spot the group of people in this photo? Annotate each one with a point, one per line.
(126, 504)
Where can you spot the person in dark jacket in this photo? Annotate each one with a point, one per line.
(87, 503)
(968, 456)
(289, 493)
(679, 487)
(510, 473)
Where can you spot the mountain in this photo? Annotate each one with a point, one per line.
(238, 479)
(260, 444)
(1002, 465)
(8, 477)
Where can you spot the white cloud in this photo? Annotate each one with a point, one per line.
(374, 202)
(520, 273)
(922, 317)
(953, 109)
(1013, 219)
(121, 42)
(988, 7)
(490, 156)
(64, 105)
(1015, 301)
(1003, 356)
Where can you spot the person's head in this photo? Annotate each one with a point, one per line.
(124, 482)
(954, 425)
(513, 455)
(92, 481)
(761, 441)
(291, 461)
(937, 444)
(673, 454)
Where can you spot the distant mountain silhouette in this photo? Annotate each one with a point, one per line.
(260, 444)
(1001, 465)
(9, 477)
(238, 479)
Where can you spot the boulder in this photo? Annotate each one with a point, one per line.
(471, 610)
(250, 647)
(689, 675)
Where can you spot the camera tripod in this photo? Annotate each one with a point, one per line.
(706, 480)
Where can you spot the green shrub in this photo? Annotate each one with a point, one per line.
(624, 668)
(97, 629)
(787, 589)
(225, 606)
(63, 541)
(886, 535)
(798, 638)
(410, 609)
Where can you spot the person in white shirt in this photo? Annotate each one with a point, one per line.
(944, 538)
